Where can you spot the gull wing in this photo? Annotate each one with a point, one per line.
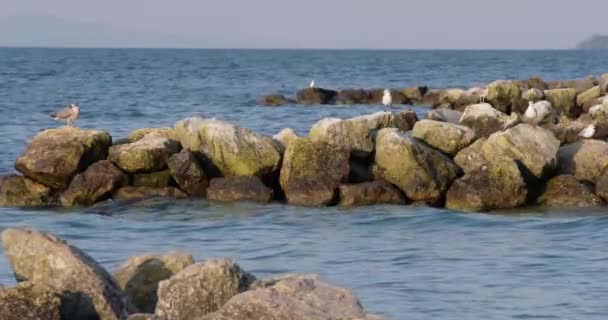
(63, 114)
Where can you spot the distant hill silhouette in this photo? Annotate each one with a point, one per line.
(595, 42)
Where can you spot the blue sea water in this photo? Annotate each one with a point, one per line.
(403, 262)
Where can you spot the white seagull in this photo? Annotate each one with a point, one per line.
(69, 114)
(483, 96)
(387, 99)
(312, 83)
(531, 111)
(588, 132)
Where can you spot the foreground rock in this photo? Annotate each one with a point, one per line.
(299, 297)
(234, 189)
(137, 135)
(352, 135)
(158, 179)
(188, 173)
(585, 160)
(285, 137)
(471, 158)
(147, 154)
(370, 193)
(424, 174)
(139, 276)
(447, 137)
(98, 182)
(311, 96)
(88, 291)
(17, 191)
(566, 191)
(200, 289)
(485, 120)
(29, 302)
(55, 156)
(506, 96)
(312, 172)
(144, 193)
(563, 101)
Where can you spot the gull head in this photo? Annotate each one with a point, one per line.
(387, 92)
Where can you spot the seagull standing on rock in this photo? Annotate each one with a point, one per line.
(312, 84)
(69, 114)
(588, 132)
(387, 99)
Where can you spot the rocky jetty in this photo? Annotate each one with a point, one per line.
(523, 136)
(57, 281)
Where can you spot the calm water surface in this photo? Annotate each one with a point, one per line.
(403, 262)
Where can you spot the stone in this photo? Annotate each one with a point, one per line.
(585, 159)
(414, 94)
(147, 154)
(234, 189)
(566, 191)
(567, 130)
(431, 98)
(159, 179)
(444, 115)
(485, 120)
(95, 184)
(18, 191)
(27, 301)
(353, 96)
(311, 96)
(471, 158)
(447, 137)
(284, 137)
(405, 120)
(376, 121)
(423, 173)
(563, 101)
(370, 193)
(312, 172)
(166, 132)
(55, 156)
(533, 95)
(201, 289)
(233, 150)
(579, 85)
(601, 187)
(536, 83)
(505, 96)
(144, 193)
(88, 291)
(497, 185)
(588, 98)
(144, 316)
(188, 173)
(139, 276)
(450, 96)
(603, 83)
(375, 97)
(273, 100)
(353, 136)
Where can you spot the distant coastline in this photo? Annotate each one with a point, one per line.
(595, 42)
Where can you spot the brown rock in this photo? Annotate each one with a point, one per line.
(579, 85)
(148, 154)
(370, 193)
(97, 183)
(471, 158)
(17, 191)
(310, 96)
(159, 179)
(414, 94)
(273, 100)
(375, 97)
(536, 83)
(234, 189)
(563, 101)
(566, 191)
(143, 193)
(188, 173)
(585, 160)
(27, 301)
(353, 96)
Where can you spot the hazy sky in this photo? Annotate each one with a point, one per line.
(342, 23)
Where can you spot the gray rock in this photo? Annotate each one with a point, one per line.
(17, 191)
(585, 160)
(445, 115)
(234, 189)
(97, 183)
(447, 137)
(28, 301)
(148, 154)
(485, 120)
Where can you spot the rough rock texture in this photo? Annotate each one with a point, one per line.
(284, 137)
(297, 297)
(567, 130)
(347, 134)
(505, 96)
(159, 179)
(588, 98)
(533, 95)
(579, 85)
(55, 156)
(485, 120)
(139, 276)
(27, 301)
(310, 96)
(147, 154)
(445, 115)
(233, 189)
(188, 173)
(143, 193)
(144, 316)
(166, 132)
(447, 137)
(375, 97)
(312, 172)
(585, 160)
(273, 100)
(497, 185)
(423, 173)
(536, 83)
(603, 83)
(370, 193)
(97, 183)
(471, 158)
(471, 96)
(414, 94)
(566, 191)
(563, 101)
(450, 96)
(353, 96)
(233, 150)
(17, 191)
(405, 120)
(601, 187)
(88, 291)
(200, 289)
(431, 98)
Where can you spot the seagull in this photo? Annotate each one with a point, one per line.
(68, 114)
(387, 99)
(312, 84)
(483, 96)
(531, 111)
(588, 132)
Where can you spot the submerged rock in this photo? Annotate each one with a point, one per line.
(585, 160)
(233, 189)
(148, 154)
(310, 96)
(566, 191)
(563, 101)
(144, 193)
(485, 120)
(28, 301)
(588, 98)
(370, 193)
(353, 96)
(97, 183)
(273, 100)
(447, 137)
(158, 179)
(166, 132)
(188, 173)
(17, 191)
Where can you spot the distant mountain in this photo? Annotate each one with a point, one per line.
(595, 42)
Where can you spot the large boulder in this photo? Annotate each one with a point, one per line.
(147, 154)
(444, 115)
(566, 191)
(201, 289)
(567, 130)
(370, 193)
(312, 172)
(88, 291)
(273, 100)
(233, 150)
(431, 98)
(579, 85)
(138, 134)
(585, 159)
(485, 120)
(505, 96)
(497, 185)
(588, 98)
(423, 173)
(346, 134)
(188, 173)
(471, 158)
(310, 96)
(158, 179)
(297, 297)
(601, 187)
(405, 120)
(139, 276)
(353, 96)
(533, 95)
(55, 156)
(144, 193)
(234, 189)
(18, 191)
(563, 101)
(97, 183)
(471, 96)
(447, 137)
(414, 94)
(536, 83)
(28, 301)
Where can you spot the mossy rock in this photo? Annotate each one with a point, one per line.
(447, 137)
(148, 154)
(159, 179)
(585, 160)
(563, 101)
(28, 301)
(97, 183)
(566, 191)
(17, 191)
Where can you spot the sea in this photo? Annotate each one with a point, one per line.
(403, 262)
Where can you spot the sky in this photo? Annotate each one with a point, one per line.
(376, 24)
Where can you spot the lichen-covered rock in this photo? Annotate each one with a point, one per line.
(536, 83)
(563, 101)
(28, 301)
(147, 154)
(188, 174)
(505, 96)
(471, 158)
(200, 289)
(139, 276)
(347, 134)
(297, 297)
(97, 183)
(370, 193)
(284, 137)
(55, 156)
(144, 193)
(88, 291)
(601, 187)
(17, 191)
(444, 115)
(235, 151)
(585, 160)
(166, 132)
(423, 173)
(312, 172)
(234, 189)
(273, 100)
(497, 185)
(485, 120)
(449, 97)
(539, 113)
(447, 137)
(566, 191)
(414, 94)
(310, 96)
(588, 98)
(375, 97)
(158, 179)
(353, 96)
(533, 95)
(579, 85)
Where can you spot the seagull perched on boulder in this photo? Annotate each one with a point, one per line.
(537, 112)
(387, 99)
(312, 84)
(588, 132)
(68, 114)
